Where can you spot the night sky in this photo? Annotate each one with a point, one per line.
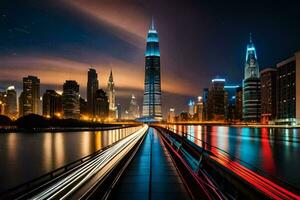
(59, 39)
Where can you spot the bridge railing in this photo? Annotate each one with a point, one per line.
(205, 145)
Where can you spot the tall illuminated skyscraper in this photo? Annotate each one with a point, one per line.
(70, 100)
(30, 97)
(92, 87)
(251, 86)
(152, 93)
(111, 96)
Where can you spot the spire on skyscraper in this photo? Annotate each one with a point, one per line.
(111, 79)
(250, 37)
(152, 24)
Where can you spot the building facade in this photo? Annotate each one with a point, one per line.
(134, 109)
(70, 100)
(268, 95)
(52, 104)
(101, 105)
(152, 91)
(288, 91)
(92, 87)
(11, 109)
(111, 97)
(251, 86)
(30, 97)
(216, 101)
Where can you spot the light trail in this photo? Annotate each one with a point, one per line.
(83, 174)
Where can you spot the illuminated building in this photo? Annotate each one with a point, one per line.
(152, 92)
(251, 86)
(288, 91)
(134, 109)
(205, 97)
(183, 116)
(101, 105)
(119, 112)
(2, 102)
(92, 87)
(171, 116)
(83, 107)
(230, 102)
(30, 97)
(198, 109)
(111, 96)
(191, 108)
(70, 100)
(52, 103)
(239, 104)
(11, 109)
(268, 95)
(216, 101)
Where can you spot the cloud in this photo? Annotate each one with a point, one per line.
(53, 70)
(127, 21)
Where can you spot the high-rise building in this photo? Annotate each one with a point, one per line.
(288, 91)
(101, 105)
(52, 104)
(152, 93)
(11, 109)
(111, 96)
(171, 116)
(134, 109)
(230, 102)
(205, 97)
(30, 97)
(216, 100)
(70, 100)
(119, 112)
(268, 95)
(198, 109)
(2, 102)
(83, 107)
(191, 108)
(251, 86)
(92, 87)
(239, 104)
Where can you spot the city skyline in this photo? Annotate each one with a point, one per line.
(107, 41)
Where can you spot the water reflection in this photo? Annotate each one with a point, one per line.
(25, 156)
(274, 150)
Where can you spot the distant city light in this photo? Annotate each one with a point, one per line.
(218, 80)
(11, 87)
(231, 86)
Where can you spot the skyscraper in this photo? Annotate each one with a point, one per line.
(152, 92)
(288, 91)
(134, 109)
(251, 86)
(30, 97)
(268, 94)
(111, 96)
(216, 100)
(11, 102)
(92, 87)
(101, 105)
(52, 104)
(70, 100)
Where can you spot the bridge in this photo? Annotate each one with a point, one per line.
(155, 162)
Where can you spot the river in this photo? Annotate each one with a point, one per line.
(24, 156)
(275, 151)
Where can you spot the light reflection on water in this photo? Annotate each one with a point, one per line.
(273, 150)
(25, 156)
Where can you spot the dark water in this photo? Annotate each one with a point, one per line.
(275, 151)
(24, 156)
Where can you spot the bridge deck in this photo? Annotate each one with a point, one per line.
(151, 174)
